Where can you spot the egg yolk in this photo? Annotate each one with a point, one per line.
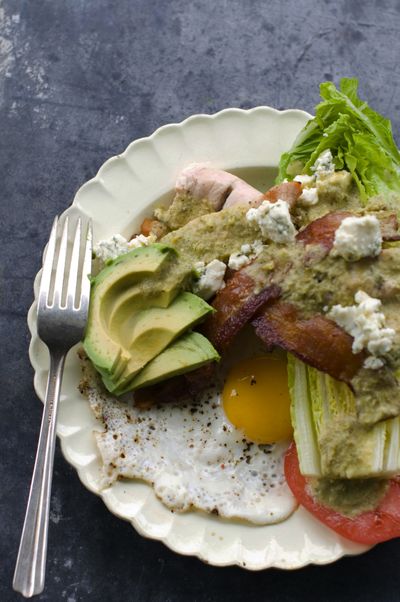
(256, 399)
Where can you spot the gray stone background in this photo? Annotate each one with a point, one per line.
(80, 79)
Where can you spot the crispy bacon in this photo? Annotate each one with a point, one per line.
(235, 305)
(317, 341)
(322, 230)
(287, 191)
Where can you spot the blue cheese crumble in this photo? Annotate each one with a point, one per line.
(110, 248)
(322, 168)
(274, 221)
(211, 278)
(308, 197)
(324, 165)
(247, 253)
(367, 325)
(304, 179)
(358, 237)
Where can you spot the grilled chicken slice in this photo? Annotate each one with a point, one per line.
(200, 190)
(220, 188)
(223, 189)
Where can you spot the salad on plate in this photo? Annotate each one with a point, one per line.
(243, 349)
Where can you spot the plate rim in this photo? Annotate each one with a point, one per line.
(31, 320)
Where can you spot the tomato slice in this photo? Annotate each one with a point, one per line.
(369, 528)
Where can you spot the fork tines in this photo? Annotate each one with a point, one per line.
(67, 265)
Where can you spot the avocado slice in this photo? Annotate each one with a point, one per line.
(137, 308)
(192, 350)
(149, 331)
(126, 285)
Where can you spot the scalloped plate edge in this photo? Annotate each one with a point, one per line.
(343, 547)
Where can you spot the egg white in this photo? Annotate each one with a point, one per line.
(191, 455)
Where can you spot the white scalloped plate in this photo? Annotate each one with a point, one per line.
(123, 192)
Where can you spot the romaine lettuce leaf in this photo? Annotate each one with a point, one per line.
(360, 140)
(329, 441)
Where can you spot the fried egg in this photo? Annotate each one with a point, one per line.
(192, 454)
(256, 398)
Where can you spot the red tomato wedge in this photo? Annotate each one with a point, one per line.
(368, 528)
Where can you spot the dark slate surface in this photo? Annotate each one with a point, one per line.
(78, 81)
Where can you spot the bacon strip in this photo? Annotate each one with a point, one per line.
(317, 341)
(236, 304)
(322, 230)
(287, 191)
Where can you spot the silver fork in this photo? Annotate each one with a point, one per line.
(62, 312)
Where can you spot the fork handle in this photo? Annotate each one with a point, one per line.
(30, 567)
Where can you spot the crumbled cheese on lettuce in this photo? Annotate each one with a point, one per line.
(358, 237)
(367, 325)
(324, 165)
(322, 168)
(274, 221)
